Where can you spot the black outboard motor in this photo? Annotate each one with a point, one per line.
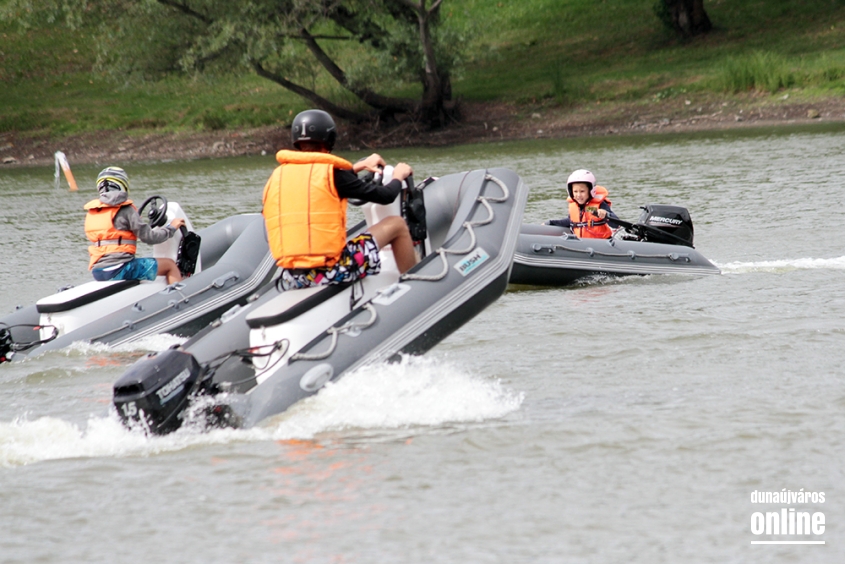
(154, 392)
(671, 225)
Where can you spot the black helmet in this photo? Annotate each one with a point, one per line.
(315, 126)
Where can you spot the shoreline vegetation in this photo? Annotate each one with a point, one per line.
(481, 122)
(534, 69)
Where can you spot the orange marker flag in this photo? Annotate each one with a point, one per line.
(61, 161)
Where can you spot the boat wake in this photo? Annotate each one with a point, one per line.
(150, 343)
(416, 392)
(788, 265)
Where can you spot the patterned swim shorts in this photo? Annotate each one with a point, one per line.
(358, 259)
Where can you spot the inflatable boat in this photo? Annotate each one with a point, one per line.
(259, 359)
(660, 242)
(221, 264)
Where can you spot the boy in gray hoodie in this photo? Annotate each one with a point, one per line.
(113, 227)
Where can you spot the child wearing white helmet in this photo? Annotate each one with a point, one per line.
(113, 228)
(589, 207)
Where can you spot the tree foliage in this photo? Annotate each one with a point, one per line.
(348, 57)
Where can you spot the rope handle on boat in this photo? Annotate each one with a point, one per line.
(592, 252)
(347, 327)
(442, 251)
(216, 284)
(468, 225)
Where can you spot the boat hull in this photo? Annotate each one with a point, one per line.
(550, 256)
(236, 262)
(300, 340)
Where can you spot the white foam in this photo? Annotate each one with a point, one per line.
(419, 391)
(787, 265)
(48, 438)
(415, 392)
(158, 342)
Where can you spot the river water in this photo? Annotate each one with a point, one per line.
(620, 420)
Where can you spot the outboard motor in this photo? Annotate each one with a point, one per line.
(671, 225)
(154, 392)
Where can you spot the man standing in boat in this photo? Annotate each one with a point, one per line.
(589, 207)
(304, 208)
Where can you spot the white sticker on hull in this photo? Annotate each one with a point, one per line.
(472, 261)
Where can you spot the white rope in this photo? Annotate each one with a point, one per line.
(334, 332)
(468, 225)
(172, 304)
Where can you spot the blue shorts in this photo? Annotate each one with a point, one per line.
(136, 269)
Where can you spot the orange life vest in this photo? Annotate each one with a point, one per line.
(586, 224)
(305, 218)
(99, 228)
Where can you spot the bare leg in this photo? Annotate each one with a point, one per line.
(394, 231)
(167, 267)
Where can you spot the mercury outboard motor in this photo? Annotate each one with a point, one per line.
(154, 392)
(671, 225)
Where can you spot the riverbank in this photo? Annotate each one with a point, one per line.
(481, 122)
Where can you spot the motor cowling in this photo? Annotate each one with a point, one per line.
(155, 391)
(672, 224)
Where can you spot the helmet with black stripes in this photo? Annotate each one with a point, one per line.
(112, 178)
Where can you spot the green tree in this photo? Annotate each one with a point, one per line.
(348, 57)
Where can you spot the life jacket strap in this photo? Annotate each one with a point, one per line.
(590, 223)
(120, 241)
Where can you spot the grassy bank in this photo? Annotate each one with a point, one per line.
(568, 55)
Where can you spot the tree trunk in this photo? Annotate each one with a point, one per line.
(436, 106)
(688, 17)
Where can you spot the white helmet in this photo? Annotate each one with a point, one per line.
(584, 176)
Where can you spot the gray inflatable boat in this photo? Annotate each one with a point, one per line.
(231, 262)
(661, 242)
(259, 359)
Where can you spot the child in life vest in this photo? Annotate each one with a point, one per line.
(589, 207)
(113, 227)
